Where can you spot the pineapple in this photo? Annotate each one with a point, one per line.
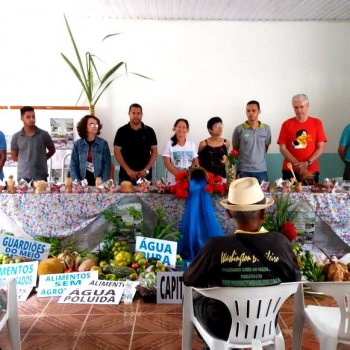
(230, 175)
(230, 170)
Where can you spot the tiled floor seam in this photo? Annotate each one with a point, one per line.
(133, 326)
(82, 327)
(37, 317)
(286, 328)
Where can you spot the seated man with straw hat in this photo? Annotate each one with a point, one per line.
(251, 257)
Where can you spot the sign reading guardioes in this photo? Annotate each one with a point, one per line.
(25, 273)
(16, 246)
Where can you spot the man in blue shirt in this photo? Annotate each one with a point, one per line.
(2, 154)
(344, 151)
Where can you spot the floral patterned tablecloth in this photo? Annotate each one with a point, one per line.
(62, 214)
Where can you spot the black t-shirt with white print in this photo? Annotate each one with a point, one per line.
(228, 261)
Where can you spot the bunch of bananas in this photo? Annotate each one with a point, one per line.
(310, 270)
(297, 250)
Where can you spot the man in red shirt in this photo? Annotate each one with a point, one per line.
(301, 141)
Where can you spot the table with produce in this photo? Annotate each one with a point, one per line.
(63, 215)
(55, 219)
(114, 258)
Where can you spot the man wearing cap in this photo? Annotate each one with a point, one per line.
(251, 257)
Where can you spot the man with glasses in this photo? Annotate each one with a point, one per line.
(31, 147)
(252, 139)
(135, 148)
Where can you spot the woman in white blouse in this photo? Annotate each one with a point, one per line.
(179, 153)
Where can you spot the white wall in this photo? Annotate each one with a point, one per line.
(199, 69)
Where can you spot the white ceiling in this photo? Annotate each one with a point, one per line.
(219, 10)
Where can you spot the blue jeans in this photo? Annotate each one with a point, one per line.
(260, 176)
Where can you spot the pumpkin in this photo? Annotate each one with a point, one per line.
(50, 266)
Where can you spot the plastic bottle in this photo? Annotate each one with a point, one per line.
(304, 219)
(68, 183)
(128, 291)
(10, 184)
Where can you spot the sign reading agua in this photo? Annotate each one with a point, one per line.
(162, 250)
(92, 295)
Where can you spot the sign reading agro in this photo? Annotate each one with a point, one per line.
(56, 284)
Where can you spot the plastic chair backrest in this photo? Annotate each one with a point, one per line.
(10, 314)
(253, 310)
(340, 291)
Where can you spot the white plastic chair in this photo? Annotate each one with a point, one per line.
(331, 325)
(9, 316)
(253, 312)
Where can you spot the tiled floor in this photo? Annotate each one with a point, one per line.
(46, 325)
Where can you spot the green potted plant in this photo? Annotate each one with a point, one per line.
(93, 83)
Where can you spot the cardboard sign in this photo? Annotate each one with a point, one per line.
(25, 273)
(23, 293)
(56, 284)
(160, 249)
(16, 246)
(115, 284)
(92, 295)
(169, 287)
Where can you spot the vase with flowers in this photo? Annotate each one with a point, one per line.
(230, 161)
(281, 220)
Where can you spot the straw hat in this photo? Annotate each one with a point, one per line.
(242, 195)
(126, 187)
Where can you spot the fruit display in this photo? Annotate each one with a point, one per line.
(66, 257)
(149, 281)
(50, 266)
(120, 272)
(336, 272)
(87, 265)
(122, 259)
(310, 269)
(5, 259)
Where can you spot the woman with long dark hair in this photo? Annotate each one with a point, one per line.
(179, 152)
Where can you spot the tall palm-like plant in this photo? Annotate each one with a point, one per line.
(94, 85)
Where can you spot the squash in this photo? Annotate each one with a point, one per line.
(118, 271)
(86, 265)
(50, 266)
